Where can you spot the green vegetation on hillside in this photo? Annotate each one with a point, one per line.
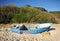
(14, 14)
(56, 13)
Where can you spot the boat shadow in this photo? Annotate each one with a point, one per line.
(52, 29)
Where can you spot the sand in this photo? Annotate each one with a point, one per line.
(52, 35)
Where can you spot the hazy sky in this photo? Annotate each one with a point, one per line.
(50, 5)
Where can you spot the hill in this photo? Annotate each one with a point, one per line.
(14, 14)
(56, 14)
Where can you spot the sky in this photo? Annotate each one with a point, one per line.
(50, 5)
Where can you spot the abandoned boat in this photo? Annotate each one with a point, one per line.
(36, 28)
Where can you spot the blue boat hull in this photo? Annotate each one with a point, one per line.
(35, 31)
(32, 31)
